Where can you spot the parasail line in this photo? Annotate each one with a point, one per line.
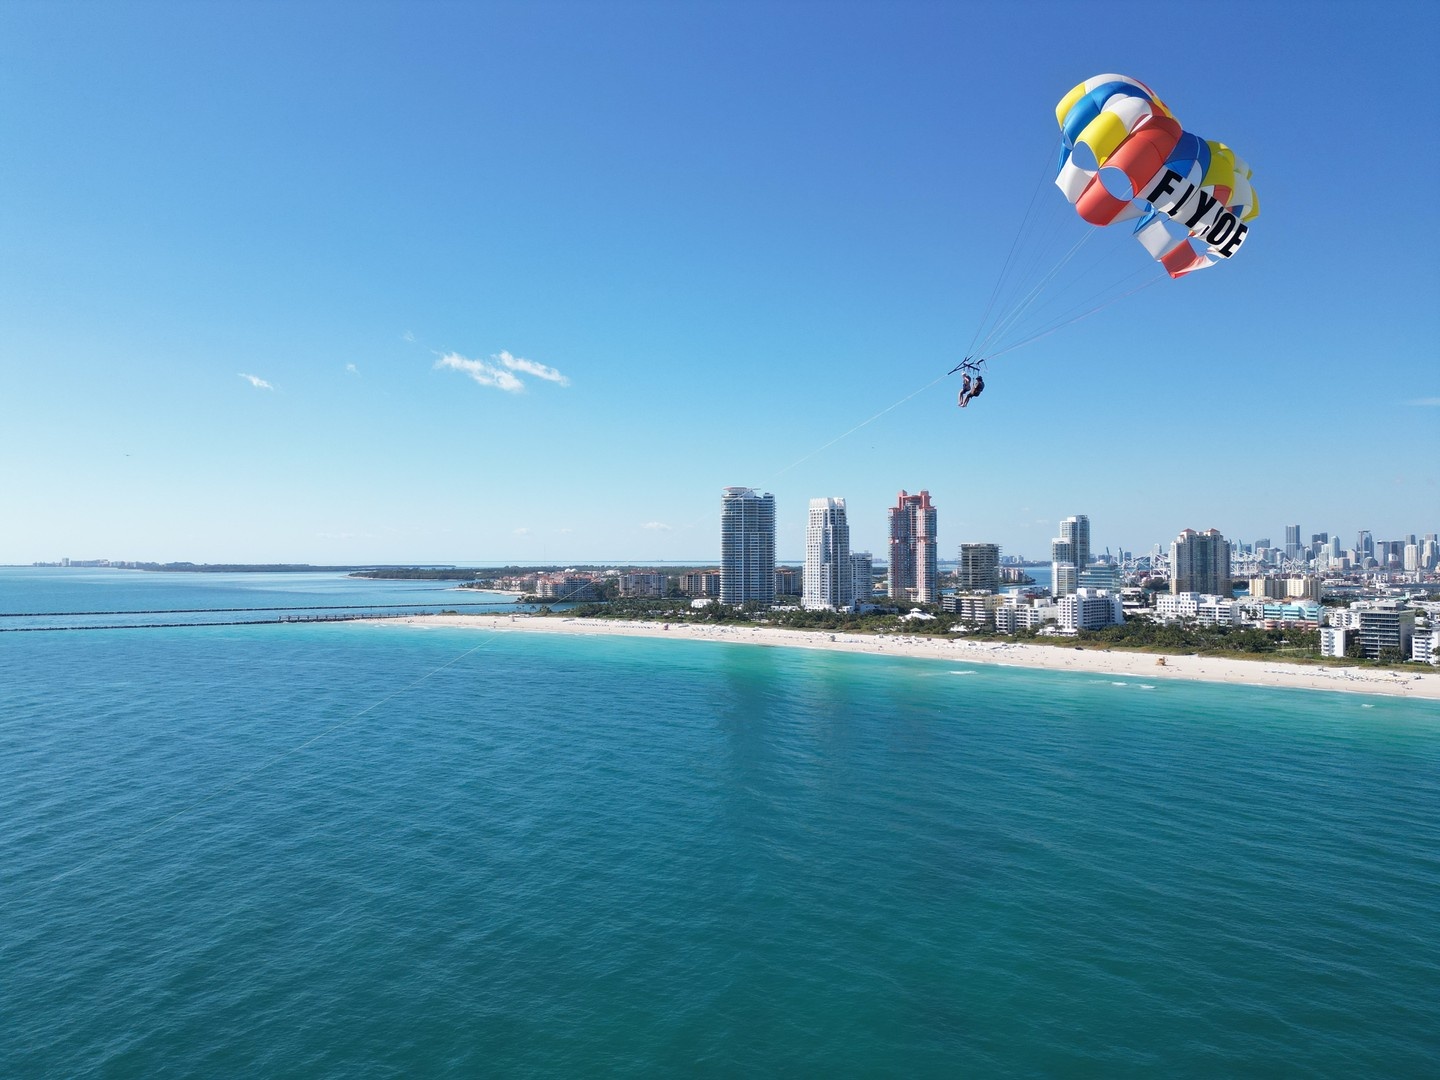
(857, 427)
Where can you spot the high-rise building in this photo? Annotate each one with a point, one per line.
(979, 568)
(829, 576)
(1200, 563)
(1292, 541)
(1069, 554)
(1364, 546)
(1076, 529)
(862, 572)
(1412, 558)
(914, 558)
(747, 546)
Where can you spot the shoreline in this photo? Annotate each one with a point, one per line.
(1410, 682)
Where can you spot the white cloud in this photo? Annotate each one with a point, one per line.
(498, 370)
(257, 382)
(530, 367)
(1425, 401)
(483, 373)
(351, 369)
(522, 532)
(658, 526)
(409, 336)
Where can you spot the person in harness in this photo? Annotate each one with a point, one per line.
(969, 390)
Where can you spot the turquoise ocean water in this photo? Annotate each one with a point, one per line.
(349, 850)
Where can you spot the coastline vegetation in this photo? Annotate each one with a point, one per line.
(1296, 646)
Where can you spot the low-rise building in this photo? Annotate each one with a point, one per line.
(1089, 609)
(1204, 608)
(1302, 616)
(1425, 646)
(1016, 614)
(977, 609)
(575, 588)
(1332, 641)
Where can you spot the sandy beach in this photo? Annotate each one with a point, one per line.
(1410, 680)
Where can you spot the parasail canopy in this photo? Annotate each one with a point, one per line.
(1126, 158)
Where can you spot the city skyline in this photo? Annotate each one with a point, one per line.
(296, 283)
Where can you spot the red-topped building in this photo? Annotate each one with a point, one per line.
(914, 558)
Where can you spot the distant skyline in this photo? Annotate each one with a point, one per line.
(401, 283)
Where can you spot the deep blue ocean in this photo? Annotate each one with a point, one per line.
(376, 850)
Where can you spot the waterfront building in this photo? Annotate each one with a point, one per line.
(1016, 614)
(1206, 609)
(862, 573)
(1089, 609)
(829, 575)
(644, 583)
(914, 559)
(1200, 563)
(976, 609)
(701, 583)
(747, 546)
(575, 588)
(1069, 554)
(978, 569)
(1332, 641)
(1386, 624)
(1425, 646)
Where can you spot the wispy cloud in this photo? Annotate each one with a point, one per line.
(522, 532)
(351, 369)
(1425, 401)
(499, 370)
(658, 526)
(257, 382)
(530, 367)
(409, 336)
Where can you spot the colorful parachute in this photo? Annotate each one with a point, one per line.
(1126, 158)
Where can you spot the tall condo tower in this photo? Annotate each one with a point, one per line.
(747, 546)
(914, 561)
(863, 565)
(1069, 554)
(829, 576)
(1200, 563)
(979, 569)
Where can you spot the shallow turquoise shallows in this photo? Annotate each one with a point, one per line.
(349, 850)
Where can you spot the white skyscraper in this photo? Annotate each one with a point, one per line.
(1069, 554)
(829, 575)
(862, 564)
(747, 546)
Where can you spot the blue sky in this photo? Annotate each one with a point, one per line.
(668, 248)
